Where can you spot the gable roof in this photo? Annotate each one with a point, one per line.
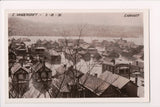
(114, 79)
(120, 82)
(38, 66)
(53, 52)
(61, 85)
(60, 70)
(18, 66)
(12, 52)
(108, 77)
(94, 84)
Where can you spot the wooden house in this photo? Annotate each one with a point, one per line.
(85, 55)
(125, 85)
(40, 52)
(21, 50)
(121, 67)
(108, 64)
(65, 83)
(92, 50)
(12, 55)
(20, 79)
(96, 87)
(20, 74)
(53, 57)
(41, 72)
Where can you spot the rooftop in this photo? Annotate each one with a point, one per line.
(114, 79)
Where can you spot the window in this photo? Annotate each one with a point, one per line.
(21, 76)
(43, 74)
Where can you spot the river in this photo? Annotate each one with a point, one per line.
(138, 41)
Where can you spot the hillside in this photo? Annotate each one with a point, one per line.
(18, 26)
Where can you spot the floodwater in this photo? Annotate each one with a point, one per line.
(138, 41)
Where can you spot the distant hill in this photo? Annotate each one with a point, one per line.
(21, 27)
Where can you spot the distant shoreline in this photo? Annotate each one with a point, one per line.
(138, 41)
(81, 36)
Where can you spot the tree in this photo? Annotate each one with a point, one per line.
(73, 57)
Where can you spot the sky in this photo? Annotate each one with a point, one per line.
(108, 19)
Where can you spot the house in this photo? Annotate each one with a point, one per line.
(84, 45)
(96, 87)
(85, 55)
(108, 64)
(125, 85)
(138, 66)
(92, 50)
(21, 51)
(14, 44)
(19, 73)
(72, 56)
(55, 45)
(64, 83)
(118, 66)
(41, 72)
(12, 56)
(53, 57)
(40, 50)
(20, 79)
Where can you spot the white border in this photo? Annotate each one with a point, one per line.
(46, 100)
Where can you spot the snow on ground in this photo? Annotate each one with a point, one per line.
(90, 66)
(35, 93)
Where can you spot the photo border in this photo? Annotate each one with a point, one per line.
(84, 100)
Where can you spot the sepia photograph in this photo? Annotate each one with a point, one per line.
(74, 54)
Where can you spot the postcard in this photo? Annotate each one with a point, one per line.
(77, 55)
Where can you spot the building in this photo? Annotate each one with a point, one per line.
(20, 74)
(108, 64)
(138, 66)
(12, 59)
(64, 84)
(92, 50)
(118, 66)
(40, 50)
(41, 72)
(96, 87)
(125, 85)
(12, 55)
(53, 57)
(21, 51)
(20, 79)
(85, 55)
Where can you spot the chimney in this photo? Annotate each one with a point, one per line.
(129, 71)
(113, 61)
(96, 75)
(136, 80)
(21, 64)
(113, 69)
(136, 63)
(43, 63)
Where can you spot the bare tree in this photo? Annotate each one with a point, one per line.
(73, 55)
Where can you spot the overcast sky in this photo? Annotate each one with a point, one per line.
(89, 18)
